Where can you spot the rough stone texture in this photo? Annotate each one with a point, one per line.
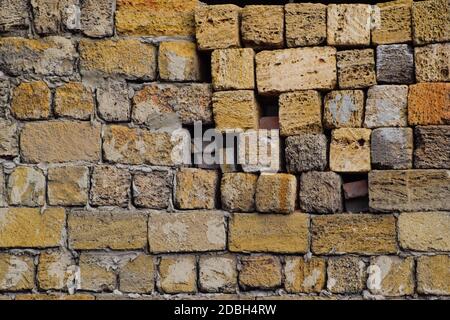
(74, 100)
(300, 112)
(196, 188)
(350, 150)
(235, 109)
(431, 62)
(433, 274)
(67, 186)
(9, 143)
(304, 275)
(386, 106)
(116, 230)
(238, 191)
(409, 190)
(346, 275)
(432, 147)
(178, 274)
(305, 24)
(424, 231)
(3, 202)
(178, 61)
(155, 18)
(41, 57)
(49, 16)
(31, 101)
(4, 95)
(395, 63)
(152, 189)
(187, 231)
(262, 26)
(430, 21)
(320, 192)
(97, 272)
(391, 276)
(113, 104)
(217, 27)
(356, 68)
(159, 104)
(348, 24)
(137, 275)
(392, 22)
(26, 187)
(128, 58)
(428, 104)
(276, 193)
(306, 152)
(97, 17)
(110, 186)
(218, 273)
(233, 69)
(295, 69)
(260, 272)
(56, 270)
(16, 272)
(392, 148)
(29, 228)
(268, 233)
(343, 109)
(14, 15)
(351, 233)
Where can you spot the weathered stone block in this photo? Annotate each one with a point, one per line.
(348, 24)
(235, 110)
(260, 272)
(431, 62)
(97, 272)
(428, 104)
(218, 273)
(295, 69)
(26, 187)
(304, 275)
(350, 150)
(217, 27)
(97, 18)
(356, 68)
(391, 276)
(409, 190)
(343, 109)
(424, 231)
(128, 58)
(60, 141)
(68, 186)
(300, 112)
(4, 95)
(346, 275)
(14, 15)
(433, 274)
(392, 148)
(238, 191)
(430, 21)
(152, 189)
(233, 69)
(31, 101)
(395, 63)
(196, 188)
(137, 275)
(178, 274)
(112, 101)
(9, 142)
(269, 233)
(306, 152)
(16, 272)
(110, 186)
(29, 228)
(305, 24)
(262, 26)
(74, 100)
(178, 61)
(99, 230)
(432, 147)
(276, 193)
(56, 270)
(48, 14)
(349, 233)
(320, 192)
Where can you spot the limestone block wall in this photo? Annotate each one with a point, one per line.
(99, 198)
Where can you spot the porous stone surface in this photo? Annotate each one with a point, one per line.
(178, 61)
(428, 104)
(14, 15)
(178, 274)
(233, 69)
(306, 152)
(392, 148)
(152, 189)
(56, 270)
(304, 275)
(238, 191)
(218, 273)
(31, 101)
(276, 193)
(430, 21)
(26, 186)
(346, 274)
(113, 104)
(261, 272)
(343, 109)
(395, 63)
(74, 100)
(196, 188)
(68, 185)
(356, 68)
(432, 275)
(305, 24)
(110, 186)
(431, 62)
(16, 272)
(432, 147)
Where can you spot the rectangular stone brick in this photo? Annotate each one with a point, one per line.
(137, 275)
(431, 62)
(395, 63)
(295, 69)
(392, 148)
(237, 191)
(60, 141)
(9, 141)
(26, 187)
(187, 231)
(152, 189)
(14, 15)
(16, 272)
(74, 100)
(260, 272)
(113, 103)
(409, 190)
(196, 188)
(156, 18)
(353, 233)
(348, 24)
(218, 273)
(31, 101)
(428, 104)
(97, 272)
(233, 69)
(110, 186)
(356, 68)
(346, 275)
(424, 231)
(97, 18)
(51, 17)
(268, 233)
(178, 274)
(29, 228)
(433, 274)
(56, 270)
(343, 109)
(305, 24)
(392, 22)
(276, 193)
(128, 58)
(305, 275)
(116, 230)
(4, 95)
(178, 61)
(432, 147)
(350, 150)
(430, 21)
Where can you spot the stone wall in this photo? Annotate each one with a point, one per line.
(95, 95)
